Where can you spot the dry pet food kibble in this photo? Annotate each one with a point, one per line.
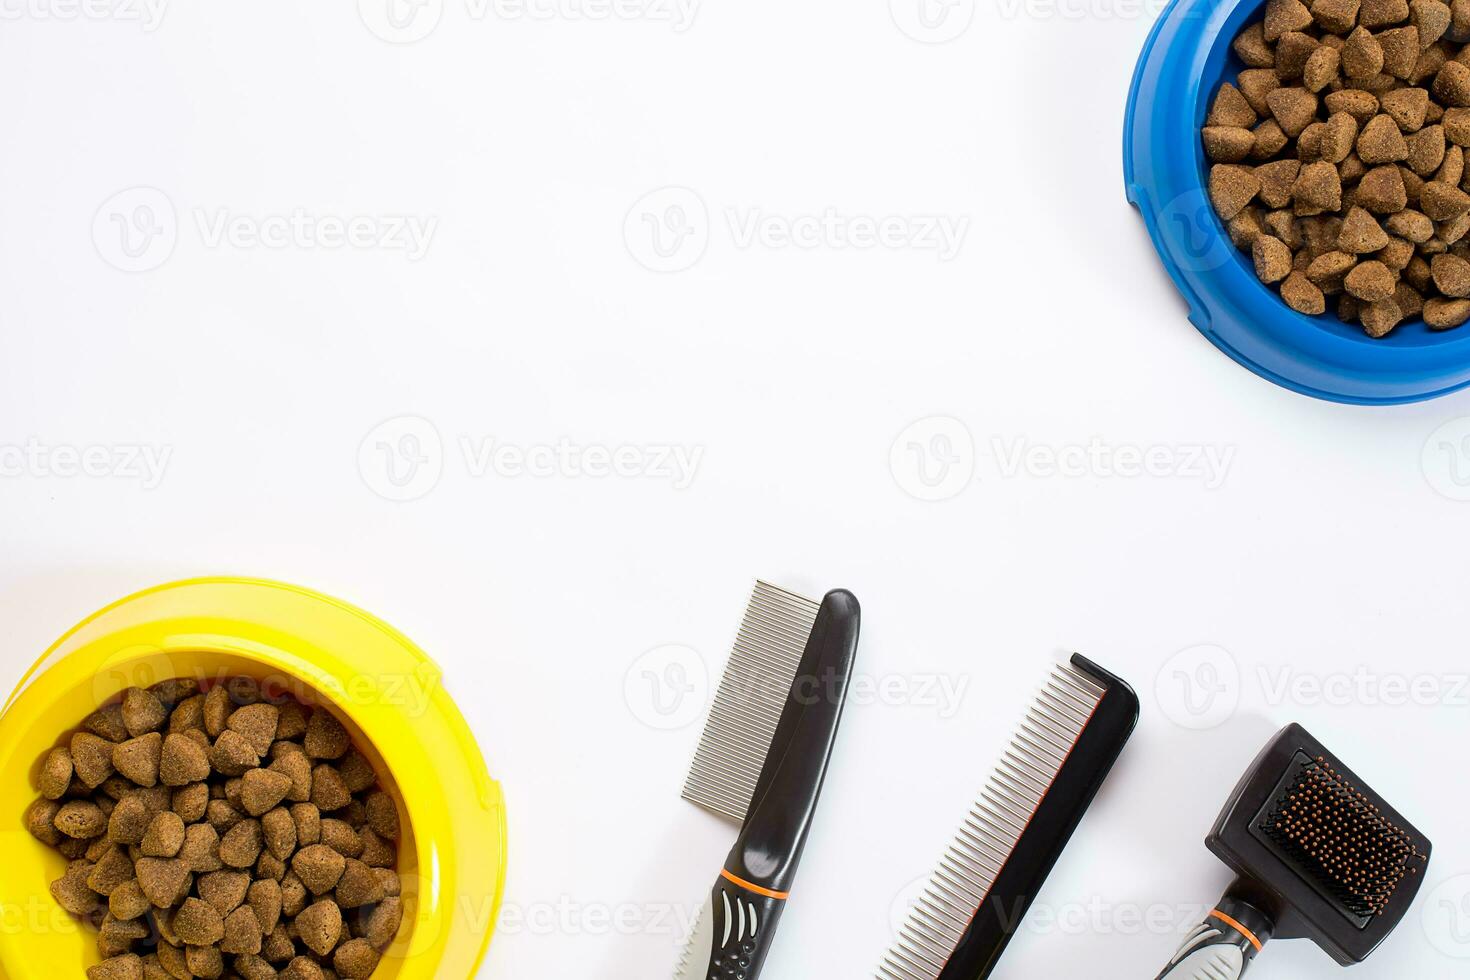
(1337, 161)
(216, 832)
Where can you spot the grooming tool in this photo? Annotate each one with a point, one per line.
(761, 762)
(1013, 836)
(1318, 856)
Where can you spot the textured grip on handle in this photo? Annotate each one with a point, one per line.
(741, 924)
(1223, 946)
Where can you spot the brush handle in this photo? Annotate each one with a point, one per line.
(1223, 946)
(734, 933)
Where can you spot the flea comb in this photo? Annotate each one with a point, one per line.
(1318, 855)
(761, 763)
(1057, 761)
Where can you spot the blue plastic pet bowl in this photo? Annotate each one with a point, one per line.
(1186, 59)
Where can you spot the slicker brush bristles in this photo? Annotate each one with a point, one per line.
(1335, 834)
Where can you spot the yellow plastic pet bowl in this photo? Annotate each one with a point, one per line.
(382, 687)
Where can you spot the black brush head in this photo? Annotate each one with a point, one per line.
(1327, 857)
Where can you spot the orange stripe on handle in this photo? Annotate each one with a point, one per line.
(754, 889)
(1238, 928)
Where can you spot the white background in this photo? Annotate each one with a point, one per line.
(1333, 543)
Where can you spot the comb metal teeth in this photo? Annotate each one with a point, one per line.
(751, 697)
(967, 872)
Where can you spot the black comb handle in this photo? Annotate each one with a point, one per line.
(1224, 945)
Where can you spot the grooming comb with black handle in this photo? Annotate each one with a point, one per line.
(1013, 836)
(1318, 856)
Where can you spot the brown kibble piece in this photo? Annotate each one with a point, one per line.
(261, 789)
(355, 959)
(1322, 68)
(217, 710)
(1252, 48)
(1232, 188)
(340, 837)
(378, 853)
(279, 831)
(40, 820)
(201, 848)
(1431, 17)
(382, 924)
(1293, 108)
(125, 967)
(257, 722)
(1381, 141)
(116, 938)
(293, 895)
(1361, 233)
(251, 966)
(107, 723)
(127, 901)
(142, 712)
(1457, 126)
(241, 846)
(113, 869)
(1380, 318)
(1362, 56)
(56, 773)
(308, 821)
(302, 968)
(1370, 281)
(1337, 16)
(129, 821)
(358, 886)
(265, 901)
(138, 758)
(319, 926)
(1381, 13)
(1361, 105)
(92, 757)
(224, 890)
(71, 891)
(80, 819)
(165, 836)
(1427, 150)
(1445, 314)
(204, 961)
(1293, 52)
(1451, 275)
(1254, 85)
(1228, 144)
(325, 736)
(190, 802)
(382, 815)
(163, 879)
(292, 721)
(1283, 16)
(328, 792)
(1400, 51)
(1452, 85)
(242, 933)
(1443, 202)
(233, 754)
(319, 868)
(392, 885)
(182, 761)
(198, 923)
(1382, 190)
(1407, 107)
(1411, 225)
(188, 715)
